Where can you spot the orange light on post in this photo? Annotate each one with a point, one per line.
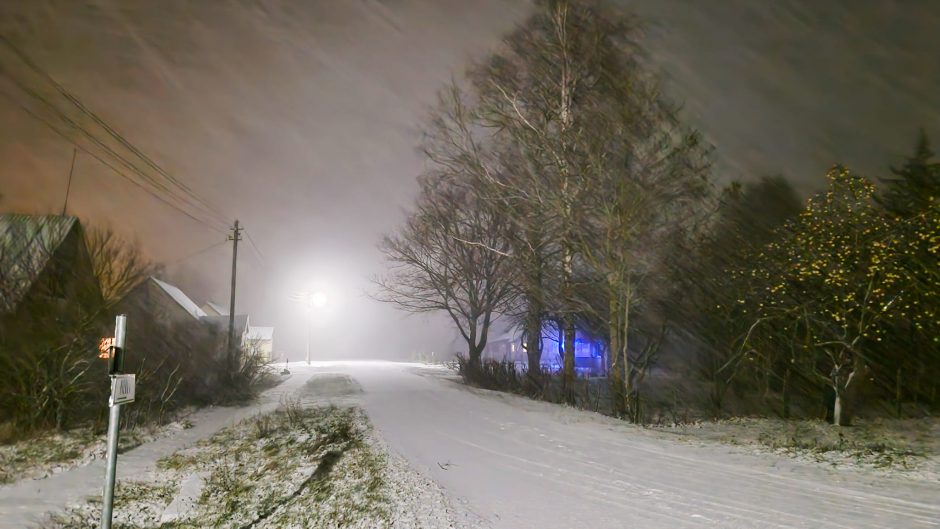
(104, 347)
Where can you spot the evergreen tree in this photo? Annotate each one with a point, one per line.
(714, 283)
(916, 184)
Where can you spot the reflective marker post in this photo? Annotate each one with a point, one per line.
(122, 391)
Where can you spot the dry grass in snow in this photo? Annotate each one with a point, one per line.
(310, 467)
(54, 452)
(908, 448)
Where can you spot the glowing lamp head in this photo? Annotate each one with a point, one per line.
(318, 300)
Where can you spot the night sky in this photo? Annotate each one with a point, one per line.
(302, 120)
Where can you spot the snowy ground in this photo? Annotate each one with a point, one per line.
(272, 465)
(56, 452)
(309, 466)
(904, 449)
(460, 457)
(27, 501)
(511, 462)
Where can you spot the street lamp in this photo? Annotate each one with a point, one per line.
(311, 300)
(318, 299)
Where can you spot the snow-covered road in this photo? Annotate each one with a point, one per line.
(514, 463)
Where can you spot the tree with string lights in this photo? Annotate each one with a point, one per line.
(837, 277)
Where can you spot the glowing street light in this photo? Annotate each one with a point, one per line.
(311, 300)
(318, 300)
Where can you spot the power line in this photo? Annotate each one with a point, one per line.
(257, 251)
(198, 252)
(110, 130)
(184, 196)
(68, 189)
(113, 168)
(176, 202)
(179, 201)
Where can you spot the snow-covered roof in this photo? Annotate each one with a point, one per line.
(261, 333)
(181, 299)
(221, 323)
(212, 307)
(27, 243)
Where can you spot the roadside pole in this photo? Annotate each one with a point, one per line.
(122, 391)
(309, 317)
(232, 364)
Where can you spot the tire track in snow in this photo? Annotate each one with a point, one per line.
(676, 497)
(533, 463)
(925, 512)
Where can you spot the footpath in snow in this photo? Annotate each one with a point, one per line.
(27, 502)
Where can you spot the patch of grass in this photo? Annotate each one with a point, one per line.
(296, 467)
(264, 427)
(47, 452)
(177, 461)
(330, 386)
(131, 492)
(37, 456)
(293, 411)
(897, 445)
(137, 505)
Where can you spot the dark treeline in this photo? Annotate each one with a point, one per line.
(563, 192)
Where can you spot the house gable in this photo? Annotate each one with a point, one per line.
(43, 258)
(161, 301)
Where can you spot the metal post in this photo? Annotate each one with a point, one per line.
(114, 424)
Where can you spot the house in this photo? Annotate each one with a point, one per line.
(506, 346)
(168, 303)
(161, 302)
(246, 336)
(44, 261)
(261, 340)
(589, 351)
(163, 322)
(220, 325)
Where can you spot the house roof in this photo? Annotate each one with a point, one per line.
(212, 306)
(260, 333)
(181, 299)
(221, 323)
(27, 243)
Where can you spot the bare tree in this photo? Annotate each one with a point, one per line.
(450, 257)
(647, 184)
(534, 92)
(460, 142)
(118, 264)
(592, 148)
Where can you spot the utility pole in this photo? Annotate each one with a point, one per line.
(235, 237)
(309, 317)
